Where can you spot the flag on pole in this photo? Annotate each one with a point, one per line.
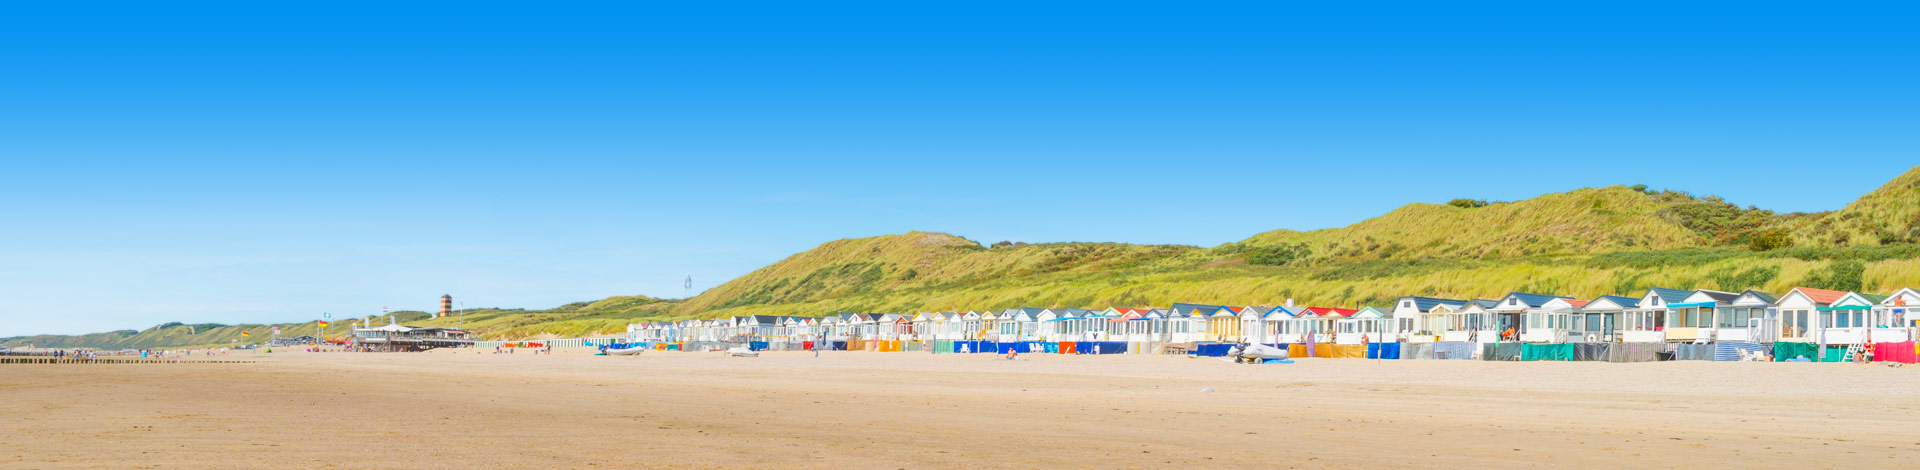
(324, 324)
(244, 334)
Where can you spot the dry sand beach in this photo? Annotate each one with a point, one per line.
(905, 410)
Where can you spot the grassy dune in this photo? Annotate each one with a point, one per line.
(1588, 242)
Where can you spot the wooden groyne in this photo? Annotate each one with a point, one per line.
(110, 360)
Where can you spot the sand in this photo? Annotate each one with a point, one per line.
(914, 410)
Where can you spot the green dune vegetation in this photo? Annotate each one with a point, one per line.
(1615, 240)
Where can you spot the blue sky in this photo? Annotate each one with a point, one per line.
(233, 162)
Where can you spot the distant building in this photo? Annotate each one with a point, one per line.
(401, 338)
(446, 306)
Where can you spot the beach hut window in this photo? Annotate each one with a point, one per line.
(1839, 319)
(1734, 317)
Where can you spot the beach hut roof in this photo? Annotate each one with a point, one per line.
(1617, 301)
(1427, 303)
(1755, 296)
(1371, 312)
(1813, 294)
(1819, 295)
(1329, 312)
(1667, 296)
(1227, 312)
(1714, 296)
(1281, 313)
(1523, 299)
(1255, 311)
(1185, 309)
(1853, 299)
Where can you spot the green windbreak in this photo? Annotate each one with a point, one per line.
(1782, 351)
(1546, 352)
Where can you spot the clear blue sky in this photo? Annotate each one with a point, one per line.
(246, 162)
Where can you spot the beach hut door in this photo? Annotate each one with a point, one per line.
(1762, 329)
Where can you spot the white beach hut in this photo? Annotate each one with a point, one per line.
(1749, 317)
(949, 327)
(1600, 318)
(1414, 320)
(1800, 313)
(1647, 322)
(1279, 325)
(1903, 307)
(1187, 323)
(1366, 325)
(1474, 323)
(1849, 320)
(1512, 314)
(1157, 326)
(973, 325)
(1692, 319)
(1552, 321)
